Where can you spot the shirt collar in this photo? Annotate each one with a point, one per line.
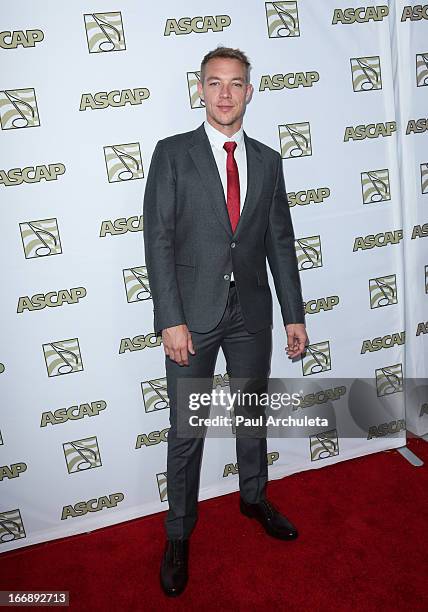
(217, 138)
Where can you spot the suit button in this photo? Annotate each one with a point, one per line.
(226, 277)
(233, 245)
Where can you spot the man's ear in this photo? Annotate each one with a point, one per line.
(200, 91)
(250, 91)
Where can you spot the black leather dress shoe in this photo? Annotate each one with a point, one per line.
(174, 571)
(274, 523)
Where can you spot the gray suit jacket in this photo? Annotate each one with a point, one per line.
(190, 248)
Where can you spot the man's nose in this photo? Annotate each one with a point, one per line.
(225, 91)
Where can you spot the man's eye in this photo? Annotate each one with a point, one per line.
(238, 84)
(214, 83)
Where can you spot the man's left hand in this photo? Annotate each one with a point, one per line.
(297, 339)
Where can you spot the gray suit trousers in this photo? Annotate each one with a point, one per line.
(247, 355)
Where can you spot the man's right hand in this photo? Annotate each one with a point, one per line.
(177, 341)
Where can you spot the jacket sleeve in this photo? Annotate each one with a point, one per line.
(281, 254)
(159, 211)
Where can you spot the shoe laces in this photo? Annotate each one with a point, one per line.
(269, 507)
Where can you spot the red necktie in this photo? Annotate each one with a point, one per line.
(233, 194)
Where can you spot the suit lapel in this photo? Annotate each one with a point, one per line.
(205, 163)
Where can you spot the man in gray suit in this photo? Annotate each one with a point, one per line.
(215, 207)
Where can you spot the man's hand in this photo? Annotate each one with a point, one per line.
(177, 341)
(297, 339)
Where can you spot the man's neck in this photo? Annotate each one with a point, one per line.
(227, 130)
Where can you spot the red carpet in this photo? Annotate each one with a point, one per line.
(363, 546)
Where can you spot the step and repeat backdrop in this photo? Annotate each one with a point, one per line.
(84, 97)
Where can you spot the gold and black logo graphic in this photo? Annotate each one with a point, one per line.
(424, 177)
(426, 279)
(308, 251)
(17, 38)
(386, 429)
(362, 14)
(50, 299)
(421, 69)
(366, 73)
(295, 140)
(155, 396)
(316, 358)
(152, 438)
(383, 291)
(81, 455)
(415, 13)
(12, 471)
(198, 25)
(375, 186)
(308, 196)
(136, 284)
(123, 162)
(380, 239)
(383, 342)
(193, 79)
(31, 174)
(315, 306)
(417, 126)
(324, 445)
(282, 19)
(121, 226)
(389, 379)
(11, 526)
(140, 342)
(18, 109)
(40, 238)
(420, 231)
(291, 80)
(162, 486)
(115, 98)
(63, 357)
(92, 505)
(2, 368)
(422, 328)
(104, 32)
(232, 469)
(1, 439)
(371, 130)
(73, 413)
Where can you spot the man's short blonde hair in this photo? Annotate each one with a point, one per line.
(229, 53)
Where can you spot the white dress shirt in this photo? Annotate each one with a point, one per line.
(217, 140)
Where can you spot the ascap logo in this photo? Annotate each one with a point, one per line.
(13, 471)
(377, 240)
(193, 79)
(415, 13)
(2, 368)
(40, 238)
(18, 109)
(375, 186)
(137, 343)
(1, 439)
(155, 396)
(424, 178)
(162, 486)
(11, 526)
(386, 429)
(199, 25)
(383, 291)
(63, 357)
(81, 455)
(295, 140)
(92, 505)
(136, 284)
(51, 299)
(384, 342)
(282, 19)
(420, 231)
(12, 40)
(316, 358)
(366, 74)
(154, 437)
(114, 98)
(389, 379)
(121, 226)
(320, 397)
(291, 80)
(422, 69)
(315, 306)
(423, 410)
(104, 32)
(233, 468)
(371, 130)
(31, 174)
(308, 252)
(73, 413)
(310, 196)
(422, 328)
(123, 162)
(362, 14)
(324, 445)
(417, 126)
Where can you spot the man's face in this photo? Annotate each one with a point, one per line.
(225, 93)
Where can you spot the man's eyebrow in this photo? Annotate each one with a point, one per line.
(210, 78)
